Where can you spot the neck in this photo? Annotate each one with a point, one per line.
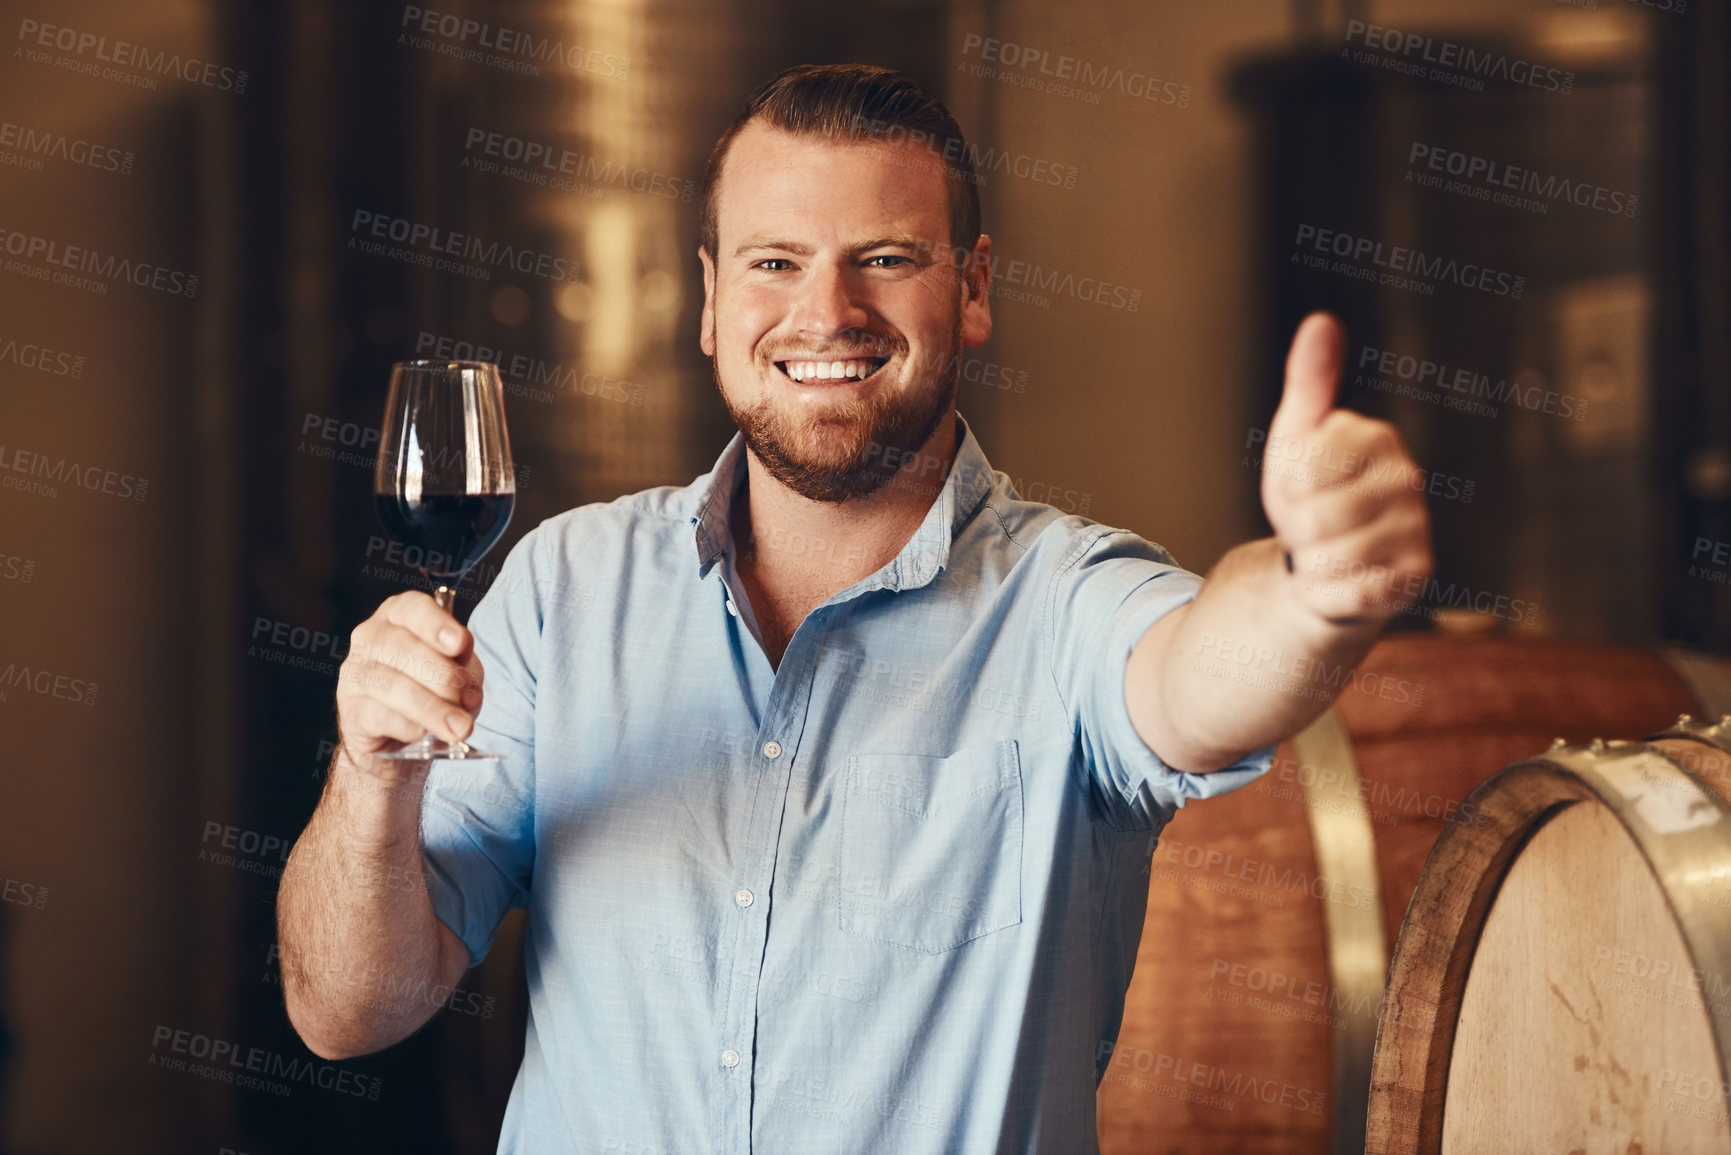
(823, 547)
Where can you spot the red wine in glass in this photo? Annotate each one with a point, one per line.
(444, 483)
(453, 531)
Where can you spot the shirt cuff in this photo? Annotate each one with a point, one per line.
(472, 903)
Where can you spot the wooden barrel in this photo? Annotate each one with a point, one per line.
(1563, 978)
(1249, 1023)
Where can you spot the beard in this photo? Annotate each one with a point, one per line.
(854, 447)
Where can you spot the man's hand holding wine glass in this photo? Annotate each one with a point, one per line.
(411, 670)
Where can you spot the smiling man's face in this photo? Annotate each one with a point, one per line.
(833, 310)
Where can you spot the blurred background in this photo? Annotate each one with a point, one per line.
(197, 324)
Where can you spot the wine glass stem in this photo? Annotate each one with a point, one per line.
(442, 597)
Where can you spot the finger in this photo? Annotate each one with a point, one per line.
(1379, 567)
(1392, 549)
(1343, 455)
(396, 647)
(477, 675)
(421, 616)
(408, 697)
(1384, 589)
(1312, 375)
(1330, 513)
(1349, 446)
(374, 720)
(1294, 484)
(1363, 450)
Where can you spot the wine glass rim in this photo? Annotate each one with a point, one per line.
(446, 364)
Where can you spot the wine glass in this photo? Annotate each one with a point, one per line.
(444, 483)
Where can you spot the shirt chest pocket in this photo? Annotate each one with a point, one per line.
(930, 855)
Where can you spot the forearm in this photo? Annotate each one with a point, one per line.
(1244, 665)
(359, 942)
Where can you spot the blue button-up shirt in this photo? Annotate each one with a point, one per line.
(885, 898)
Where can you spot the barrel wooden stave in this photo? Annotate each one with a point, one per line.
(1545, 993)
(1560, 1045)
(1507, 684)
(1187, 1020)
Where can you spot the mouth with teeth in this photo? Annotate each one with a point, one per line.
(852, 369)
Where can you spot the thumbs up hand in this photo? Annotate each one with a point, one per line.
(1342, 493)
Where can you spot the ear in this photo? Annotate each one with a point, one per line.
(706, 324)
(976, 294)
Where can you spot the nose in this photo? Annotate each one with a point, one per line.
(828, 301)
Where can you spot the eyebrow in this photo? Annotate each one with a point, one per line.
(904, 241)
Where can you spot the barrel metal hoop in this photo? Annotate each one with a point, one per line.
(1716, 734)
(1345, 846)
(1706, 679)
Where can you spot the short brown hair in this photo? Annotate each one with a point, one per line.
(841, 102)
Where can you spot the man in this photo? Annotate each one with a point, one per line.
(830, 780)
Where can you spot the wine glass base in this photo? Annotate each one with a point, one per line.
(434, 750)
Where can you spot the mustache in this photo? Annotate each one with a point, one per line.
(884, 347)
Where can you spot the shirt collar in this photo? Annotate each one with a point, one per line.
(926, 553)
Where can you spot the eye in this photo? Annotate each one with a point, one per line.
(767, 261)
(897, 261)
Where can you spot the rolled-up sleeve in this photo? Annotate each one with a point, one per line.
(478, 817)
(1112, 588)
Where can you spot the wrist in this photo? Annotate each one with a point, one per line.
(379, 799)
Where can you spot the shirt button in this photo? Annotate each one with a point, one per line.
(731, 608)
(730, 1058)
(743, 897)
(772, 750)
